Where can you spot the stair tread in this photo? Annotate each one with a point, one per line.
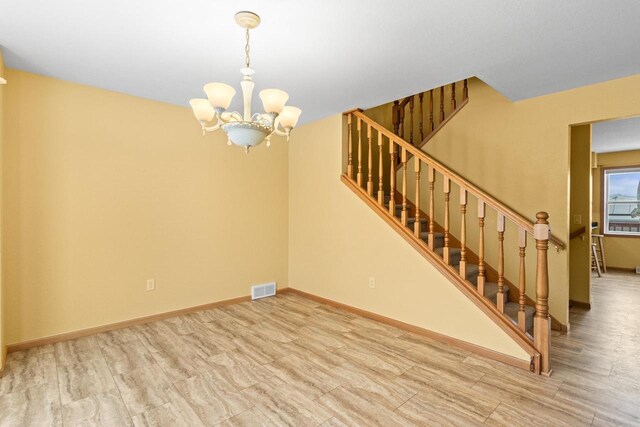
(472, 268)
(424, 235)
(511, 309)
(491, 291)
(452, 251)
(413, 219)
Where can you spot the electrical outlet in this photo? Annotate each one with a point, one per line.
(151, 285)
(577, 219)
(372, 282)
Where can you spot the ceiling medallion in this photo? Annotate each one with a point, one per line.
(245, 130)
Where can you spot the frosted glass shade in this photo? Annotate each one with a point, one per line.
(246, 134)
(202, 109)
(289, 117)
(273, 100)
(219, 94)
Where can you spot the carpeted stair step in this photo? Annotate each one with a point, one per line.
(424, 223)
(511, 310)
(491, 291)
(454, 255)
(438, 238)
(472, 273)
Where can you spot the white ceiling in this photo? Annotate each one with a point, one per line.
(616, 135)
(330, 55)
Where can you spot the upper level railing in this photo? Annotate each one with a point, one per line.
(363, 131)
(418, 117)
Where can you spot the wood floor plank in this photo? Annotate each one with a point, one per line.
(293, 361)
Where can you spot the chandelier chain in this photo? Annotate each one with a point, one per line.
(247, 49)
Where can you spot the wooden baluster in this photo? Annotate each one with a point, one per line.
(441, 104)
(431, 124)
(416, 225)
(432, 186)
(453, 97)
(395, 117)
(421, 125)
(463, 233)
(392, 175)
(370, 163)
(411, 106)
(350, 143)
(403, 217)
(359, 176)
(447, 191)
(500, 298)
(380, 170)
(402, 122)
(522, 243)
(541, 322)
(465, 91)
(481, 213)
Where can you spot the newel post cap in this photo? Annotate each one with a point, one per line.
(541, 227)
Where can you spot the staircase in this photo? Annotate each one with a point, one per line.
(378, 157)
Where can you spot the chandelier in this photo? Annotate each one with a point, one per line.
(245, 130)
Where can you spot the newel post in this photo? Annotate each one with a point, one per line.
(541, 321)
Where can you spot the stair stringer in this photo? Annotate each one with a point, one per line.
(490, 272)
(449, 272)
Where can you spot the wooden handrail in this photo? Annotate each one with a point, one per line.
(491, 201)
(579, 232)
(405, 101)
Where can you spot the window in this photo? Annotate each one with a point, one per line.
(621, 198)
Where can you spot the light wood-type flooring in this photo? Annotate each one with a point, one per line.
(291, 361)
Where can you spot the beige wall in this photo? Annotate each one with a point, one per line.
(2, 130)
(580, 205)
(336, 243)
(519, 152)
(621, 252)
(104, 191)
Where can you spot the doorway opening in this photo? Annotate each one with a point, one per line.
(604, 211)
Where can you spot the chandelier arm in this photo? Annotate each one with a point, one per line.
(277, 126)
(234, 116)
(211, 128)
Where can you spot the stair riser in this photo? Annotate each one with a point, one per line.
(438, 242)
(424, 226)
(454, 259)
(494, 297)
